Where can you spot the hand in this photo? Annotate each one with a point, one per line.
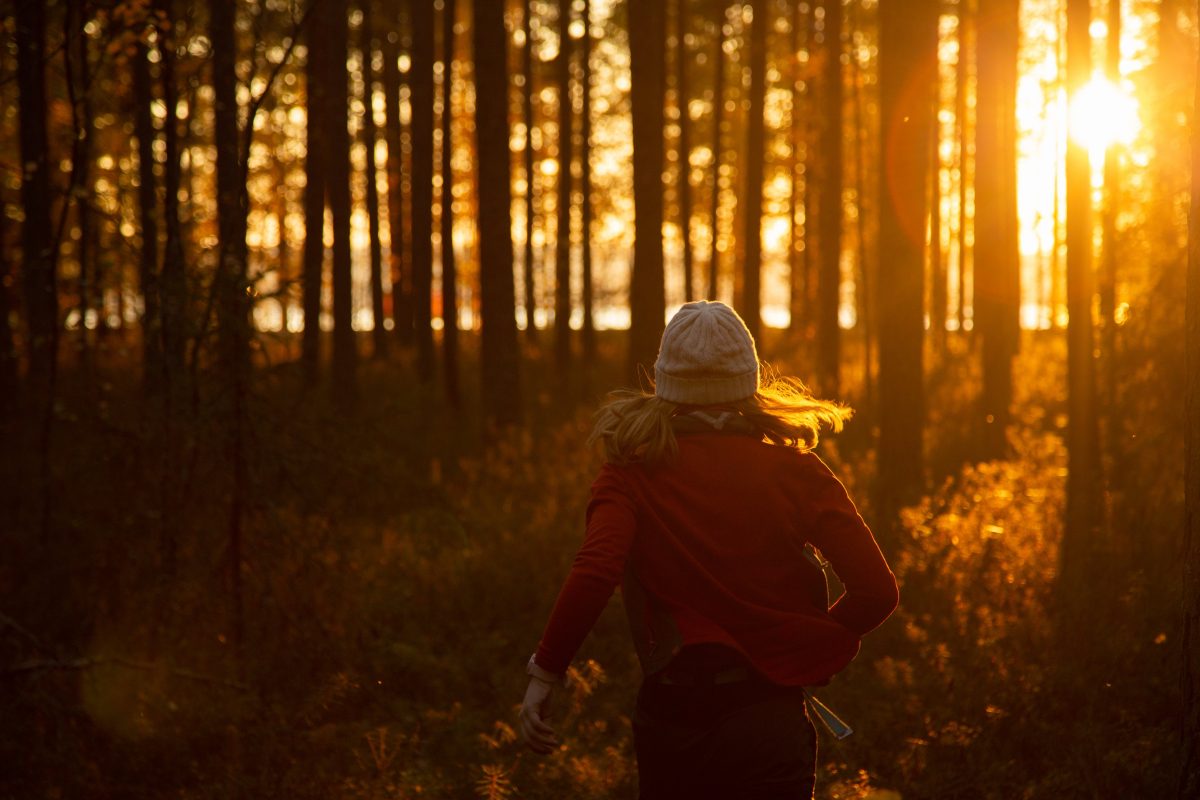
(535, 710)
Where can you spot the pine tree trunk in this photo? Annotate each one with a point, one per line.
(866, 318)
(337, 137)
(501, 396)
(997, 260)
(449, 265)
(717, 114)
(401, 274)
(585, 187)
(1083, 496)
(907, 58)
(527, 112)
(173, 284)
(751, 310)
(829, 214)
(370, 134)
(1111, 243)
(562, 231)
(38, 259)
(937, 261)
(647, 295)
(683, 183)
(795, 143)
(963, 130)
(316, 151)
(421, 99)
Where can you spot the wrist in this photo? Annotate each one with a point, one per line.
(533, 670)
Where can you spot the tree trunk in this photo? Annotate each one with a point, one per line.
(401, 274)
(449, 266)
(937, 262)
(527, 111)
(1083, 459)
(751, 310)
(173, 282)
(829, 214)
(962, 75)
(337, 137)
(143, 127)
(717, 114)
(562, 231)
(683, 183)
(795, 143)
(585, 187)
(79, 80)
(997, 259)
(1110, 247)
(501, 396)
(866, 319)
(316, 151)
(647, 295)
(38, 262)
(8, 352)
(370, 134)
(907, 59)
(421, 100)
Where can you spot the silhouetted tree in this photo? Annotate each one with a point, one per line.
(907, 58)
(173, 282)
(997, 260)
(315, 154)
(143, 127)
(962, 74)
(562, 232)
(1083, 457)
(38, 271)
(753, 190)
(683, 183)
(585, 187)
(501, 394)
(647, 297)
(1111, 243)
(449, 266)
(421, 99)
(829, 204)
(527, 112)
(370, 135)
(337, 138)
(717, 114)
(401, 272)
(1189, 783)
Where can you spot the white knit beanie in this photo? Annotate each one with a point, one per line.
(707, 356)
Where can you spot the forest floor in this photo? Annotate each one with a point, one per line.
(397, 562)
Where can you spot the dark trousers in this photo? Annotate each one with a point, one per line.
(749, 740)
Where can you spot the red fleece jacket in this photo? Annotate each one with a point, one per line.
(717, 538)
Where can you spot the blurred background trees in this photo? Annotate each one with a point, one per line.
(965, 218)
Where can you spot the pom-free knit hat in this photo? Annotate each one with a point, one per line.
(707, 356)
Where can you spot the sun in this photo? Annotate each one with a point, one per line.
(1103, 114)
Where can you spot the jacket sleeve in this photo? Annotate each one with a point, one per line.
(833, 525)
(598, 568)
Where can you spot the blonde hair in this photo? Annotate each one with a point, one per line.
(635, 425)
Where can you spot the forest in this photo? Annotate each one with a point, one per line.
(306, 307)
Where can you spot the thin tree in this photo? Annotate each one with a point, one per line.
(143, 128)
(795, 133)
(937, 262)
(527, 111)
(907, 57)
(585, 186)
(683, 183)
(79, 79)
(865, 285)
(501, 396)
(315, 154)
(717, 114)
(337, 137)
(1111, 244)
(173, 285)
(370, 135)
(8, 351)
(963, 135)
(647, 295)
(562, 232)
(421, 99)
(829, 215)
(755, 155)
(449, 266)
(997, 260)
(38, 270)
(401, 274)
(1083, 457)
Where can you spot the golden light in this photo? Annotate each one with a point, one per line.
(1103, 114)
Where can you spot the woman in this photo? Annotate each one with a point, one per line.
(708, 498)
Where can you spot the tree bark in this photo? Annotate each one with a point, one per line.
(562, 231)
(963, 130)
(38, 270)
(421, 100)
(449, 265)
(751, 310)
(647, 295)
(585, 187)
(173, 284)
(1111, 244)
(401, 274)
(718, 113)
(1083, 458)
(316, 150)
(370, 134)
(997, 260)
(501, 395)
(907, 59)
(337, 137)
(683, 184)
(143, 127)
(527, 111)
(829, 214)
